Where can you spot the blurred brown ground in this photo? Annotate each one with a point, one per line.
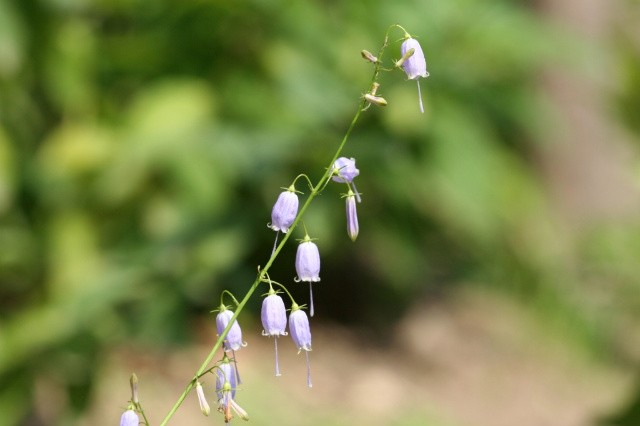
(475, 361)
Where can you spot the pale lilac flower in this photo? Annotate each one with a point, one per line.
(308, 261)
(204, 405)
(416, 65)
(233, 340)
(308, 265)
(344, 170)
(274, 315)
(284, 211)
(301, 334)
(352, 216)
(274, 320)
(224, 374)
(225, 388)
(129, 418)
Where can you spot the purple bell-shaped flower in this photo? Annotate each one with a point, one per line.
(284, 211)
(226, 390)
(233, 340)
(274, 320)
(308, 265)
(344, 170)
(225, 373)
(301, 334)
(415, 66)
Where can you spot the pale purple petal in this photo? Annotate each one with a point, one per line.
(345, 169)
(129, 418)
(204, 405)
(284, 211)
(224, 374)
(352, 217)
(299, 329)
(416, 65)
(274, 316)
(308, 262)
(233, 340)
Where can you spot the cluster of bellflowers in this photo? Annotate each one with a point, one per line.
(278, 321)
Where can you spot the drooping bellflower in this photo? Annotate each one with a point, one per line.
(226, 390)
(284, 211)
(301, 334)
(352, 216)
(344, 170)
(233, 340)
(224, 374)
(274, 319)
(308, 265)
(129, 418)
(415, 66)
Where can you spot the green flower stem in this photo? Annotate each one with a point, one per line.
(315, 190)
(306, 177)
(271, 282)
(141, 411)
(230, 294)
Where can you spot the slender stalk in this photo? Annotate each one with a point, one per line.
(141, 411)
(315, 191)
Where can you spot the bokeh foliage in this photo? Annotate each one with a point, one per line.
(143, 142)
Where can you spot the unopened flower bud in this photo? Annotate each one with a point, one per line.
(204, 405)
(284, 211)
(239, 410)
(368, 56)
(352, 216)
(406, 56)
(133, 381)
(380, 101)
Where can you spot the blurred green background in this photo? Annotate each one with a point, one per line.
(144, 142)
